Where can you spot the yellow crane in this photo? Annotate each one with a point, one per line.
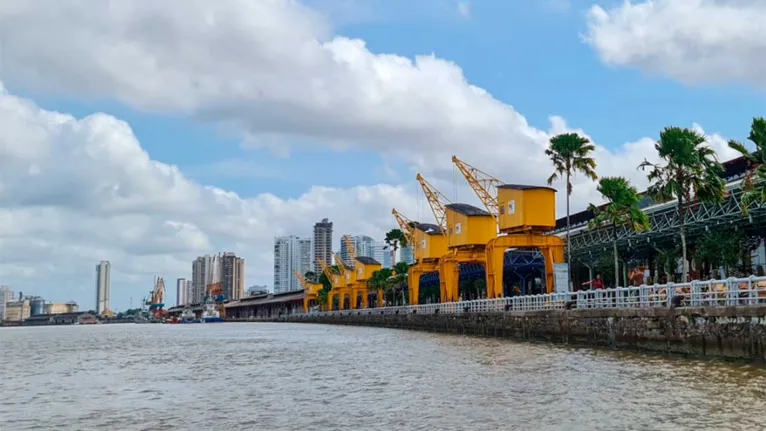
(337, 282)
(524, 216)
(467, 230)
(428, 244)
(364, 268)
(311, 290)
(347, 288)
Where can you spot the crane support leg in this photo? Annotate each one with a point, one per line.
(381, 299)
(413, 279)
(449, 279)
(551, 246)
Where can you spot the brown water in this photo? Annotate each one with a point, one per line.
(262, 376)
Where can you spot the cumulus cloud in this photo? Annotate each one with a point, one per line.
(76, 190)
(96, 194)
(693, 41)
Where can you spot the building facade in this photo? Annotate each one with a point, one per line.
(6, 296)
(103, 286)
(322, 244)
(206, 270)
(184, 291)
(365, 247)
(62, 308)
(291, 253)
(406, 255)
(233, 275)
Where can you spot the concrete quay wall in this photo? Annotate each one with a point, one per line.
(731, 333)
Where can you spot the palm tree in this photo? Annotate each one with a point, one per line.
(400, 277)
(380, 280)
(690, 170)
(622, 210)
(310, 276)
(754, 184)
(394, 240)
(570, 153)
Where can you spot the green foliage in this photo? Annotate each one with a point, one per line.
(721, 248)
(311, 276)
(570, 153)
(324, 294)
(667, 260)
(622, 206)
(754, 184)
(395, 239)
(690, 169)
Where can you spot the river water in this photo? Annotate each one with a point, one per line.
(264, 376)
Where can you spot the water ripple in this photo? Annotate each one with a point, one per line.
(313, 377)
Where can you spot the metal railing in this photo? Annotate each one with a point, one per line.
(731, 292)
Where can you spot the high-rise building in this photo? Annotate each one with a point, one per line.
(322, 244)
(103, 286)
(381, 254)
(290, 254)
(183, 291)
(233, 275)
(206, 270)
(406, 255)
(6, 296)
(365, 247)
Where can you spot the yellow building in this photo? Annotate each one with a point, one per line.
(17, 311)
(68, 307)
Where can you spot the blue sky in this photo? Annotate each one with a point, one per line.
(641, 72)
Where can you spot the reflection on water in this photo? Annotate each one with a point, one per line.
(263, 376)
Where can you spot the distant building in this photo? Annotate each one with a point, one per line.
(17, 311)
(6, 296)
(365, 247)
(67, 307)
(322, 245)
(257, 290)
(233, 275)
(381, 254)
(406, 255)
(103, 286)
(183, 291)
(290, 254)
(206, 270)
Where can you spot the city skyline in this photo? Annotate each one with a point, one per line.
(128, 156)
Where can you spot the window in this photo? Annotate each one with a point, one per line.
(458, 228)
(423, 244)
(511, 207)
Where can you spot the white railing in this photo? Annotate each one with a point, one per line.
(731, 292)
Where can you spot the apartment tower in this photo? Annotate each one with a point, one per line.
(103, 286)
(233, 275)
(322, 244)
(290, 254)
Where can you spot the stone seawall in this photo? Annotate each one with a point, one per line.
(734, 333)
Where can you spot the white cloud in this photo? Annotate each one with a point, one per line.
(75, 191)
(693, 41)
(95, 194)
(464, 9)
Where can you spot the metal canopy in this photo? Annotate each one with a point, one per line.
(665, 226)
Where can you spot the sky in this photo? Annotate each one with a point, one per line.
(148, 133)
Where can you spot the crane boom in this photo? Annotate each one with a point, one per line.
(483, 184)
(326, 269)
(406, 225)
(341, 265)
(436, 200)
(300, 278)
(350, 247)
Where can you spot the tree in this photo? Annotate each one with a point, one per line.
(395, 239)
(324, 293)
(721, 248)
(401, 269)
(310, 276)
(570, 153)
(380, 280)
(689, 171)
(754, 183)
(622, 210)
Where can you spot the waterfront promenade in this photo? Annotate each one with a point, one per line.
(724, 319)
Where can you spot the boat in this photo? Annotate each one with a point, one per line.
(209, 312)
(188, 316)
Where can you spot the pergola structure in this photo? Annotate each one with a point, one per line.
(590, 244)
